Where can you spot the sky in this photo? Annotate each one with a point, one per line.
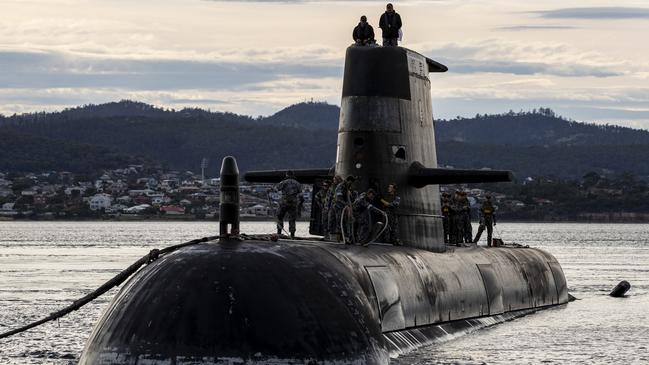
(585, 59)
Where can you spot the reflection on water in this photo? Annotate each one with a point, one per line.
(46, 265)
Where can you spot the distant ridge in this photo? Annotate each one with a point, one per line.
(310, 115)
(536, 128)
(304, 135)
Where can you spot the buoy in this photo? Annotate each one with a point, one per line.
(620, 289)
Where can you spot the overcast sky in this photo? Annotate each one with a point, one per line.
(585, 59)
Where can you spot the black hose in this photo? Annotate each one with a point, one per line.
(115, 281)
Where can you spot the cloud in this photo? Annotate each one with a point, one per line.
(248, 81)
(61, 70)
(525, 58)
(612, 12)
(527, 68)
(537, 27)
(326, 1)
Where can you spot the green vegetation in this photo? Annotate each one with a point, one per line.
(536, 143)
(24, 152)
(617, 197)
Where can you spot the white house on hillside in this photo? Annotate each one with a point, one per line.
(100, 201)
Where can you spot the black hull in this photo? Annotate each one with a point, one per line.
(313, 302)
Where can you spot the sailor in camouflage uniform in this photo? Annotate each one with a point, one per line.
(466, 219)
(487, 219)
(291, 191)
(391, 203)
(446, 217)
(331, 226)
(363, 206)
(344, 198)
(457, 228)
(320, 200)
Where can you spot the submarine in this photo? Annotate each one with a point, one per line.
(243, 299)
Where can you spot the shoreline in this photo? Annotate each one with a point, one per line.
(272, 220)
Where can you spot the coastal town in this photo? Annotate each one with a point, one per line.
(138, 192)
(132, 192)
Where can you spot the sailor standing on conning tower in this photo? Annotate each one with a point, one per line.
(390, 24)
(364, 33)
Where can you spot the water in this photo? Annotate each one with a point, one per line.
(46, 265)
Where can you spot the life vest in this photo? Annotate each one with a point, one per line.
(446, 210)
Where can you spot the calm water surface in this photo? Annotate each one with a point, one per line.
(46, 265)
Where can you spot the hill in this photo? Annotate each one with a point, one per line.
(559, 161)
(536, 128)
(311, 115)
(22, 152)
(179, 139)
(304, 135)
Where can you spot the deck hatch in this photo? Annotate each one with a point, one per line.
(493, 289)
(387, 296)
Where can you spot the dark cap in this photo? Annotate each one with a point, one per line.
(351, 178)
(363, 18)
(371, 191)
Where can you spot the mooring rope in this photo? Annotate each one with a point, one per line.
(385, 225)
(118, 279)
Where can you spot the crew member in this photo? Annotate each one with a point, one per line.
(446, 216)
(333, 225)
(363, 206)
(457, 228)
(320, 199)
(487, 219)
(363, 33)
(344, 197)
(291, 191)
(300, 205)
(391, 203)
(466, 219)
(390, 24)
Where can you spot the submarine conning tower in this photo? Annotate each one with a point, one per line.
(386, 125)
(386, 135)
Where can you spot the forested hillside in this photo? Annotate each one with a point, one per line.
(304, 135)
(21, 152)
(306, 115)
(178, 139)
(536, 128)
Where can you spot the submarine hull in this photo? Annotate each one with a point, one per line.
(312, 302)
